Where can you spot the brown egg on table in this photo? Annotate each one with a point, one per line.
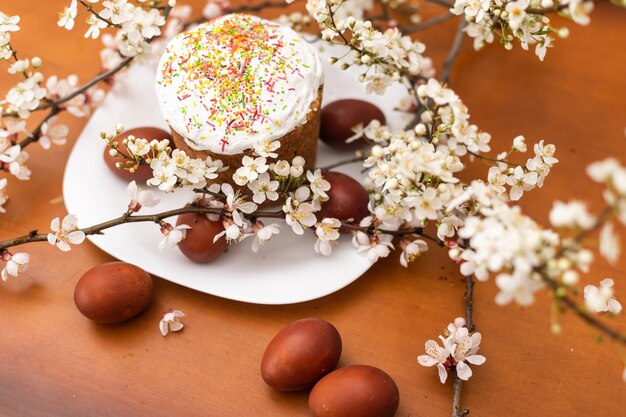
(198, 243)
(300, 354)
(355, 391)
(113, 292)
(339, 117)
(143, 173)
(347, 199)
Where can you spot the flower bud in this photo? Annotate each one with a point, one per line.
(36, 62)
(113, 152)
(296, 171)
(570, 277)
(298, 161)
(420, 129)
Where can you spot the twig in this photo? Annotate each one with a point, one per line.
(457, 383)
(469, 303)
(486, 158)
(555, 9)
(427, 23)
(443, 3)
(454, 52)
(97, 15)
(342, 163)
(567, 301)
(603, 217)
(34, 236)
(574, 307)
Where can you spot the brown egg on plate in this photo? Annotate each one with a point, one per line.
(113, 292)
(143, 173)
(339, 117)
(347, 199)
(355, 391)
(300, 354)
(198, 244)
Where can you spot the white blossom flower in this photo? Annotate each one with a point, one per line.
(263, 188)
(15, 264)
(573, 214)
(212, 10)
(447, 227)
(9, 23)
(601, 299)
(546, 152)
(117, 11)
(436, 91)
(53, 133)
(579, 11)
(412, 251)
(95, 25)
(236, 203)
(266, 148)
(377, 83)
(172, 235)
(436, 355)
(372, 246)
(327, 232)
(19, 66)
(459, 349)
(140, 197)
(497, 178)
(143, 25)
(427, 204)
(171, 322)
(519, 144)
(25, 96)
(263, 235)
(232, 232)
(610, 245)
(162, 175)
(521, 181)
(519, 287)
(602, 171)
(141, 147)
(465, 348)
(299, 215)
(516, 13)
(67, 16)
(65, 232)
(3, 194)
(318, 184)
(282, 168)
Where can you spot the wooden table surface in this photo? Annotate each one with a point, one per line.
(54, 362)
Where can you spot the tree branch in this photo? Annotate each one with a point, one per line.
(454, 52)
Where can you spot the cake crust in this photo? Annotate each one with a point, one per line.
(300, 141)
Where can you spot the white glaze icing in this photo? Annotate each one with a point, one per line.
(236, 81)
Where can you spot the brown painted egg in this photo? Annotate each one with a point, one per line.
(144, 172)
(113, 292)
(198, 244)
(347, 199)
(300, 354)
(338, 118)
(355, 391)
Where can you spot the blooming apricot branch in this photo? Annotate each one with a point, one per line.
(413, 176)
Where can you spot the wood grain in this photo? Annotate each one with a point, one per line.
(54, 362)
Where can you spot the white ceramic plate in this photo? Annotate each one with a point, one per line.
(285, 271)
